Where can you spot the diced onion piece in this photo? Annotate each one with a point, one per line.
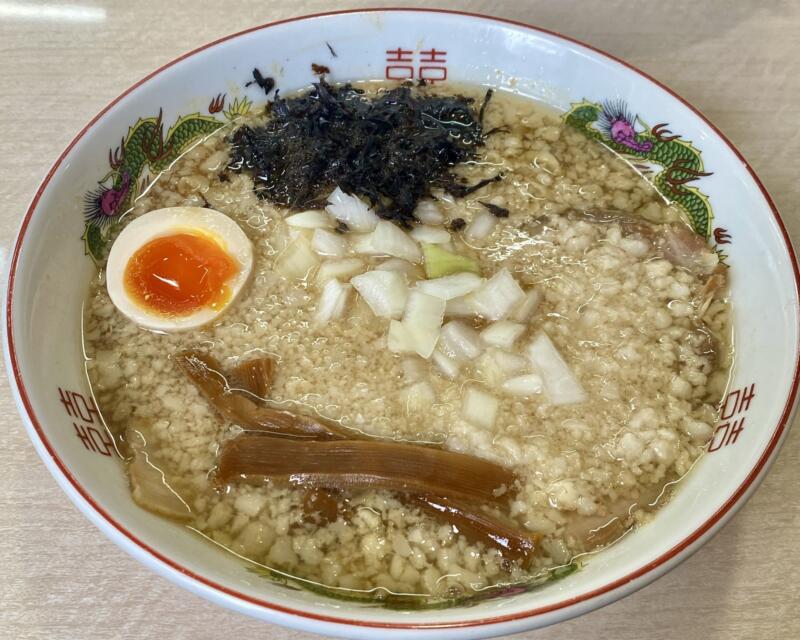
(400, 339)
(312, 219)
(418, 397)
(327, 243)
(340, 269)
(479, 408)
(489, 371)
(423, 319)
(527, 385)
(510, 364)
(460, 342)
(298, 232)
(332, 302)
(446, 365)
(388, 240)
(525, 309)
(560, 384)
(440, 262)
(352, 211)
(480, 227)
(498, 296)
(463, 307)
(385, 292)
(431, 235)
(428, 212)
(403, 266)
(449, 287)
(362, 243)
(442, 196)
(502, 333)
(297, 260)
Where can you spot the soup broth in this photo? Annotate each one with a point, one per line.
(626, 297)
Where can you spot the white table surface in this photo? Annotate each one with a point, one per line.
(739, 62)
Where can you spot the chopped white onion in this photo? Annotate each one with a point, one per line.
(498, 296)
(327, 243)
(297, 260)
(462, 307)
(385, 292)
(403, 266)
(502, 333)
(352, 211)
(525, 309)
(418, 397)
(400, 339)
(430, 235)
(312, 219)
(510, 364)
(298, 232)
(459, 341)
(480, 227)
(446, 365)
(428, 212)
(489, 371)
(423, 318)
(526, 385)
(442, 196)
(388, 240)
(340, 269)
(449, 287)
(332, 302)
(479, 407)
(560, 384)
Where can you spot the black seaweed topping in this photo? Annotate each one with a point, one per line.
(485, 104)
(457, 224)
(391, 148)
(460, 190)
(266, 83)
(502, 129)
(496, 210)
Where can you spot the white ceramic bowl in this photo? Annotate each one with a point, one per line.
(50, 270)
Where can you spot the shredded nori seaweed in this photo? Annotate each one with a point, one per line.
(266, 83)
(496, 210)
(457, 224)
(390, 148)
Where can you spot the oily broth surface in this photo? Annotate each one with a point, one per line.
(623, 318)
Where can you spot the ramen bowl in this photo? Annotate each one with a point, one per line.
(52, 264)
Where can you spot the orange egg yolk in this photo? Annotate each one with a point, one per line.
(180, 274)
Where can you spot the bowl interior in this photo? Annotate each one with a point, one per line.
(51, 272)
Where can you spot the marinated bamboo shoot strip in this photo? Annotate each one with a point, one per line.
(255, 376)
(323, 503)
(208, 376)
(364, 464)
(478, 526)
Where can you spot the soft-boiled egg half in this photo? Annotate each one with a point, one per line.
(178, 268)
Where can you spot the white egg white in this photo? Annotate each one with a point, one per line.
(166, 222)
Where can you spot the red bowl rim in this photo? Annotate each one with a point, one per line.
(716, 520)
